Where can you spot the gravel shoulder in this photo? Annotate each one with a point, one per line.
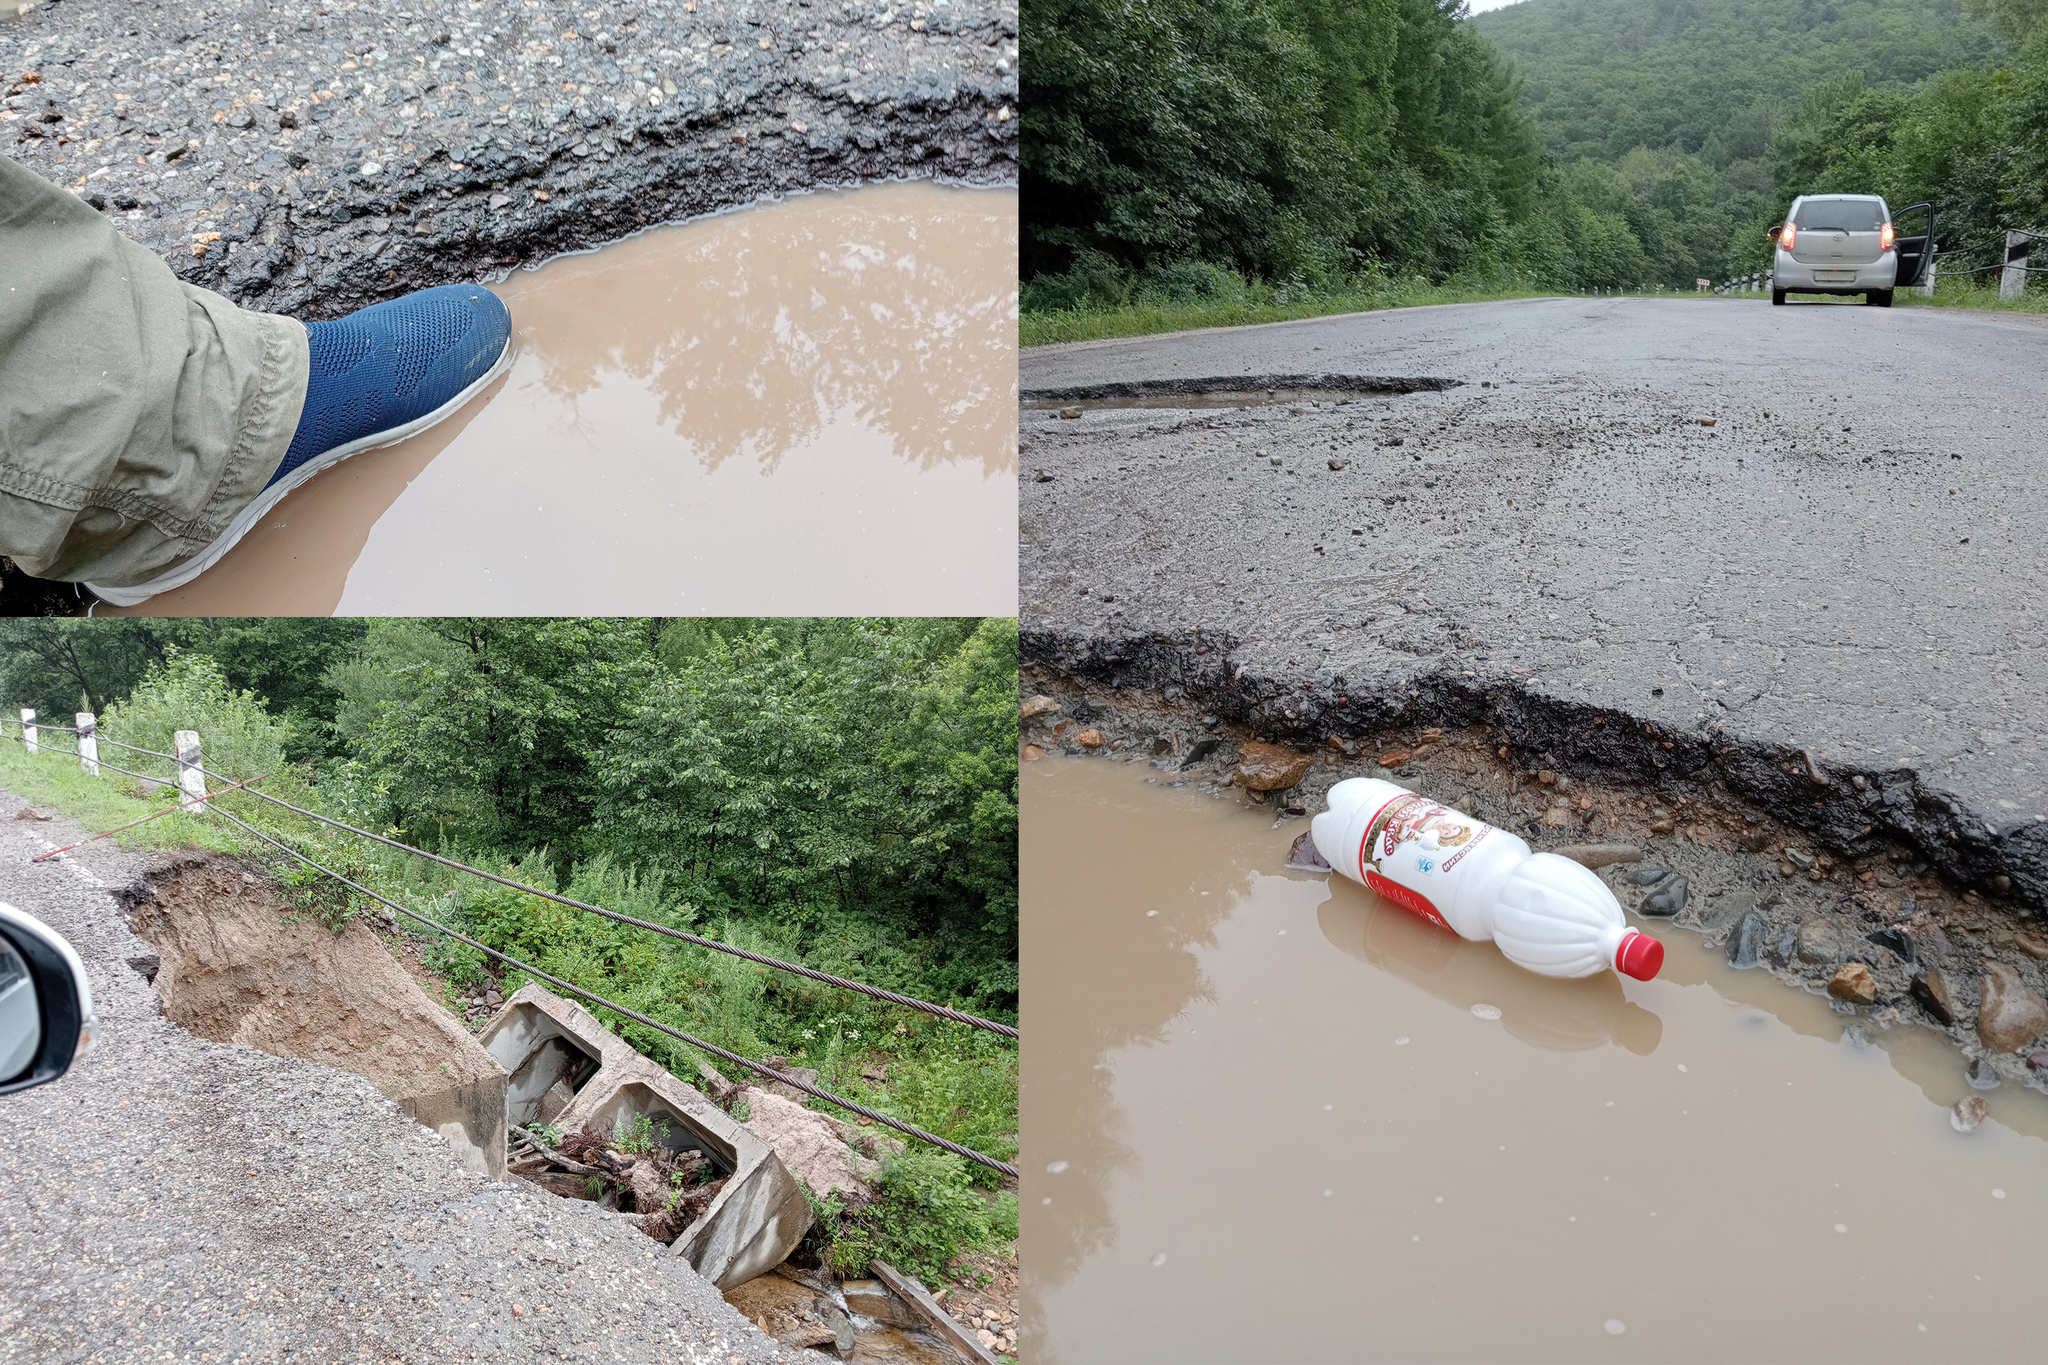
(180, 1199)
(315, 159)
(1668, 541)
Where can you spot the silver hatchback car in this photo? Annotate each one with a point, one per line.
(1843, 244)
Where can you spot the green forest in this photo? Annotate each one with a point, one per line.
(1282, 151)
(841, 793)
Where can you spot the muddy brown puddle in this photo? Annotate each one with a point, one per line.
(1268, 1116)
(806, 407)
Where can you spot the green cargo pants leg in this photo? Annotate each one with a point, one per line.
(138, 413)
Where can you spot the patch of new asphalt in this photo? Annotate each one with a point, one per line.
(1850, 563)
(176, 1199)
(323, 155)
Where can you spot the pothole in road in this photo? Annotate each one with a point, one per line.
(700, 418)
(1441, 1114)
(1229, 391)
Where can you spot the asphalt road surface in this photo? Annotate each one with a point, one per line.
(1849, 562)
(311, 159)
(173, 1199)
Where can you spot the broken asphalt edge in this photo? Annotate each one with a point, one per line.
(1195, 670)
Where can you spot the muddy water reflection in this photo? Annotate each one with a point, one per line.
(806, 407)
(1263, 1121)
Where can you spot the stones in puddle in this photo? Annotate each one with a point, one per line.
(1970, 1111)
(1783, 951)
(1981, 1076)
(1931, 990)
(1817, 942)
(2010, 1015)
(1852, 982)
(1665, 902)
(1746, 944)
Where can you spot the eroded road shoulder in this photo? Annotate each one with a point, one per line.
(173, 1195)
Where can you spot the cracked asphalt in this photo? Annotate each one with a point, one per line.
(177, 1199)
(315, 158)
(1848, 563)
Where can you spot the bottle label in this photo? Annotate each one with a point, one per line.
(1413, 845)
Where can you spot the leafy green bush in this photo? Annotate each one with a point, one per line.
(924, 1214)
(240, 738)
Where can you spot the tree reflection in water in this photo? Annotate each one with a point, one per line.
(891, 307)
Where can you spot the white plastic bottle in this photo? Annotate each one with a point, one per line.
(1544, 912)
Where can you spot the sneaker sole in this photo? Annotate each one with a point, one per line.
(245, 520)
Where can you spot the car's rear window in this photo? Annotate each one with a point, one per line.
(1840, 215)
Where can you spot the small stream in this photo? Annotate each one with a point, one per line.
(1269, 1116)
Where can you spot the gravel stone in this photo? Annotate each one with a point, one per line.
(289, 122)
(172, 1198)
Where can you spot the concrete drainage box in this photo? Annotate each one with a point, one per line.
(548, 1046)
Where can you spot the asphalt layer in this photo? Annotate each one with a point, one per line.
(176, 1199)
(1848, 564)
(312, 159)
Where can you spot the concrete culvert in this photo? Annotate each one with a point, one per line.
(238, 966)
(758, 1215)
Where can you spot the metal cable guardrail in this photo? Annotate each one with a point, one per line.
(851, 1106)
(826, 978)
(875, 992)
(73, 753)
(207, 803)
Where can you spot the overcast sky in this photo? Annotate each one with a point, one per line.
(1481, 6)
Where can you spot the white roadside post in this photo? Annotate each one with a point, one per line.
(191, 781)
(88, 744)
(28, 729)
(2012, 281)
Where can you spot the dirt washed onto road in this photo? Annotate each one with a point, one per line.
(314, 159)
(1798, 551)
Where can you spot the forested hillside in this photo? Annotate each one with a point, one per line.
(1604, 77)
(1282, 148)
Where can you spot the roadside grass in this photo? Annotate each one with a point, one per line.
(1980, 294)
(1250, 303)
(51, 778)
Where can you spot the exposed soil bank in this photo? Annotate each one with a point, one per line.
(1271, 1117)
(315, 160)
(236, 966)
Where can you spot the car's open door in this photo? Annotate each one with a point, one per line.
(1914, 252)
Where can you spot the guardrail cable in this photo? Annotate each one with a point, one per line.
(698, 940)
(760, 1068)
(827, 978)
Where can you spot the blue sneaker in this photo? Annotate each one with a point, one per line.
(378, 376)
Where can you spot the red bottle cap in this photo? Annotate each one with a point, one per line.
(1639, 956)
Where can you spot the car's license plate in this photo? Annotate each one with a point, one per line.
(1834, 276)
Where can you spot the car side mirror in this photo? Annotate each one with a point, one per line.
(1772, 233)
(46, 1018)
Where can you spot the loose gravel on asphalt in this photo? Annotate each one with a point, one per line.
(180, 1200)
(1850, 562)
(314, 158)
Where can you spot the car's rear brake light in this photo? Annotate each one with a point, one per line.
(1788, 236)
(1885, 237)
